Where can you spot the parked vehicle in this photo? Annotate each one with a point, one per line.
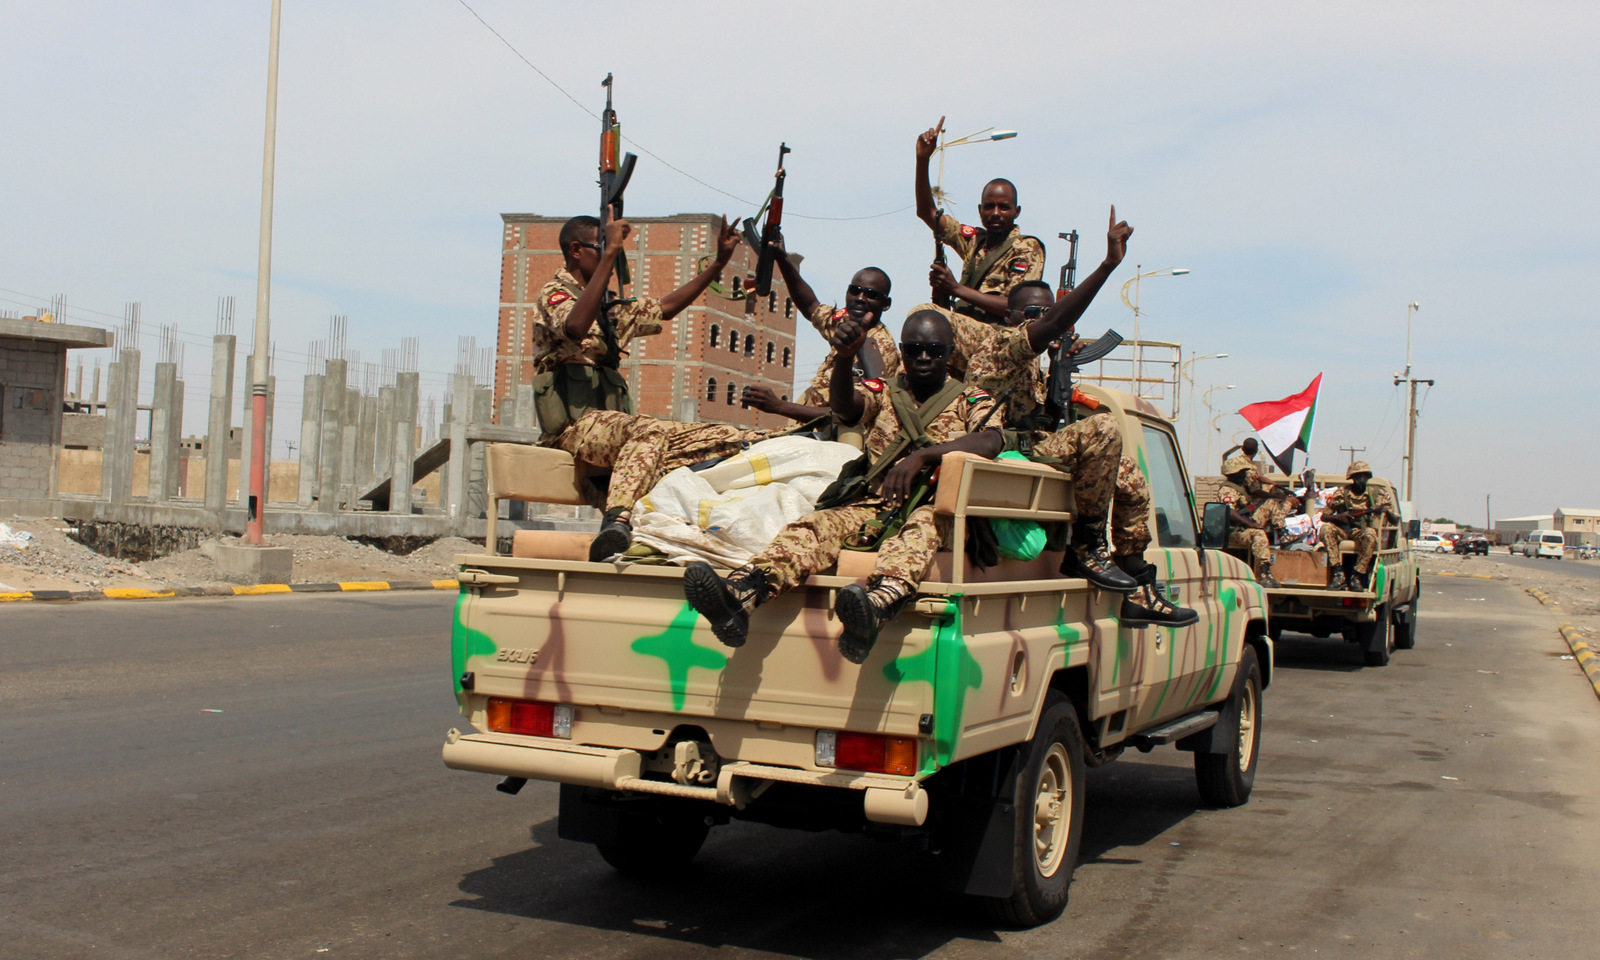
(1430, 543)
(1545, 543)
(1466, 546)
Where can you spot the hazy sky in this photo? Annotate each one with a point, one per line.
(1315, 169)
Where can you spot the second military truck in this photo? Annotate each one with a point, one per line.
(969, 727)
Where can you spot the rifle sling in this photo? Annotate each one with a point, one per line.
(606, 326)
(914, 421)
(973, 271)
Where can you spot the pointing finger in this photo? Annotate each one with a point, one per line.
(939, 129)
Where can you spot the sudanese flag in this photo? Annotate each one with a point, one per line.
(1285, 425)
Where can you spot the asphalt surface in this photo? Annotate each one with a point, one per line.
(1443, 806)
(1575, 568)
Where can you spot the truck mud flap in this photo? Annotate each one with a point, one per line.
(976, 824)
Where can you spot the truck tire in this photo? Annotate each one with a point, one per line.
(1226, 779)
(651, 844)
(1376, 639)
(1405, 625)
(1049, 791)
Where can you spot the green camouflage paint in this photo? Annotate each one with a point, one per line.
(465, 642)
(951, 670)
(1230, 598)
(676, 647)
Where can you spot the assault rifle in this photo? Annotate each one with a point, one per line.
(1069, 270)
(1061, 393)
(762, 242)
(613, 180)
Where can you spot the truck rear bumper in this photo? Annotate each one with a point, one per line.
(896, 800)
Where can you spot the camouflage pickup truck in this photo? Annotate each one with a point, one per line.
(1378, 619)
(970, 725)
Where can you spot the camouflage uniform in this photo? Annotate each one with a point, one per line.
(1024, 261)
(1090, 449)
(1245, 538)
(813, 542)
(1364, 528)
(638, 449)
(826, 319)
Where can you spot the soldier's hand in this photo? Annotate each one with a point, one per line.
(847, 338)
(1117, 239)
(929, 142)
(727, 240)
(897, 483)
(941, 280)
(616, 232)
(760, 398)
(776, 245)
(1076, 347)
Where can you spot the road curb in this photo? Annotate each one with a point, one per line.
(1586, 656)
(1475, 576)
(183, 593)
(1539, 595)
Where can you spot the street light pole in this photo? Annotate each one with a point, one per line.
(1188, 374)
(1411, 382)
(259, 370)
(1206, 399)
(1133, 304)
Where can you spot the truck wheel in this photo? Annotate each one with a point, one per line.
(650, 844)
(1049, 792)
(1376, 639)
(1405, 626)
(1225, 779)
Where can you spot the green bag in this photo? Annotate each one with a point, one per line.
(1017, 539)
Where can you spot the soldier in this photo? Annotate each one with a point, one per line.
(1278, 503)
(581, 398)
(1247, 529)
(950, 415)
(994, 259)
(1355, 511)
(865, 300)
(1107, 486)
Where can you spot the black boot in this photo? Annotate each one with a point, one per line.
(1087, 558)
(1359, 580)
(1265, 578)
(725, 603)
(863, 610)
(1336, 579)
(1149, 607)
(614, 537)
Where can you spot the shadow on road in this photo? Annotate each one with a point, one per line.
(1304, 652)
(819, 896)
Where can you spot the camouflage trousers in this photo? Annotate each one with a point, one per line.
(1104, 482)
(1241, 538)
(1273, 512)
(1366, 539)
(812, 544)
(640, 450)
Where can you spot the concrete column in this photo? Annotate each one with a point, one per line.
(460, 457)
(310, 437)
(525, 415)
(94, 398)
(175, 445)
(383, 439)
(366, 442)
(161, 439)
(332, 444)
(349, 434)
(108, 431)
(246, 424)
(444, 475)
(403, 449)
(477, 490)
(77, 384)
(219, 423)
(120, 446)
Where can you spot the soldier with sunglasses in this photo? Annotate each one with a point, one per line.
(579, 338)
(1108, 487)
(949, 415)
(865, 300)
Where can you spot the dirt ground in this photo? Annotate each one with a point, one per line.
(52, 560)
(1574, 596)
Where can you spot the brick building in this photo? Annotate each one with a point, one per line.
(696, 368)
(33, 386)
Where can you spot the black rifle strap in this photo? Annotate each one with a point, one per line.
(974, 269)
(604, 324)
(914, 420)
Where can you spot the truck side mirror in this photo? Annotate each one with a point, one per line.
(1214, 527)
(1413, 529)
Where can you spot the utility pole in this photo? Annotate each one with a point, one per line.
(1411, 382)
(1353, 451)
(258, 374)
(1488, 515)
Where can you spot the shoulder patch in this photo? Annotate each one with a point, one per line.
(967, 231)
(1019, 265)
(839, 313)
(977, 396)
(873, 384)
(560, 296)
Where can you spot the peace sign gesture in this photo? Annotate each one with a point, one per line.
(928, 142)
(1117, 239)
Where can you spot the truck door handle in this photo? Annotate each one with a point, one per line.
(481, 578)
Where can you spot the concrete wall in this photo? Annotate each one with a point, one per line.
(32, 382)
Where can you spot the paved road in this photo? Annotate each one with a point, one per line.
(1433, 808)
(1575, 568)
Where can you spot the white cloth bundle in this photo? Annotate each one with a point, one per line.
(728, 513)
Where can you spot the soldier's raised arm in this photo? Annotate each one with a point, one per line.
(582, 316)
(1064, 315)
(847, 339)
(927, 145)
(727, 241)
(799, 291)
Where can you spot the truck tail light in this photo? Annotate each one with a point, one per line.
(1353, 601)
(529, 718)
(869, 752)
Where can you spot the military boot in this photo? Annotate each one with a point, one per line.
(1150, 607)
(1336, 579)
(1088, 558)
(725, 603)
(864, 610)
(616, 533)
(1359, 580)
(1264, 576)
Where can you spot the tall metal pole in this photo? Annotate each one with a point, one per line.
(259, 370)
(1411, 442)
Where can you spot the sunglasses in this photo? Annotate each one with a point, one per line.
(933, 351)
(856, 290)
(1031, 313)
(592, 246)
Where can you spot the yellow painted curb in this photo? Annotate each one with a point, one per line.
(261, 588)
(14, 597)
(136, 593)
(1585, 654)
(446, 584)
(364, 585)
(1475, 576)
(1539, 595)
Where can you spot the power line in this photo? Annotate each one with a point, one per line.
(642, 148)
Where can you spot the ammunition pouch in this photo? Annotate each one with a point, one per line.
(561, 397)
